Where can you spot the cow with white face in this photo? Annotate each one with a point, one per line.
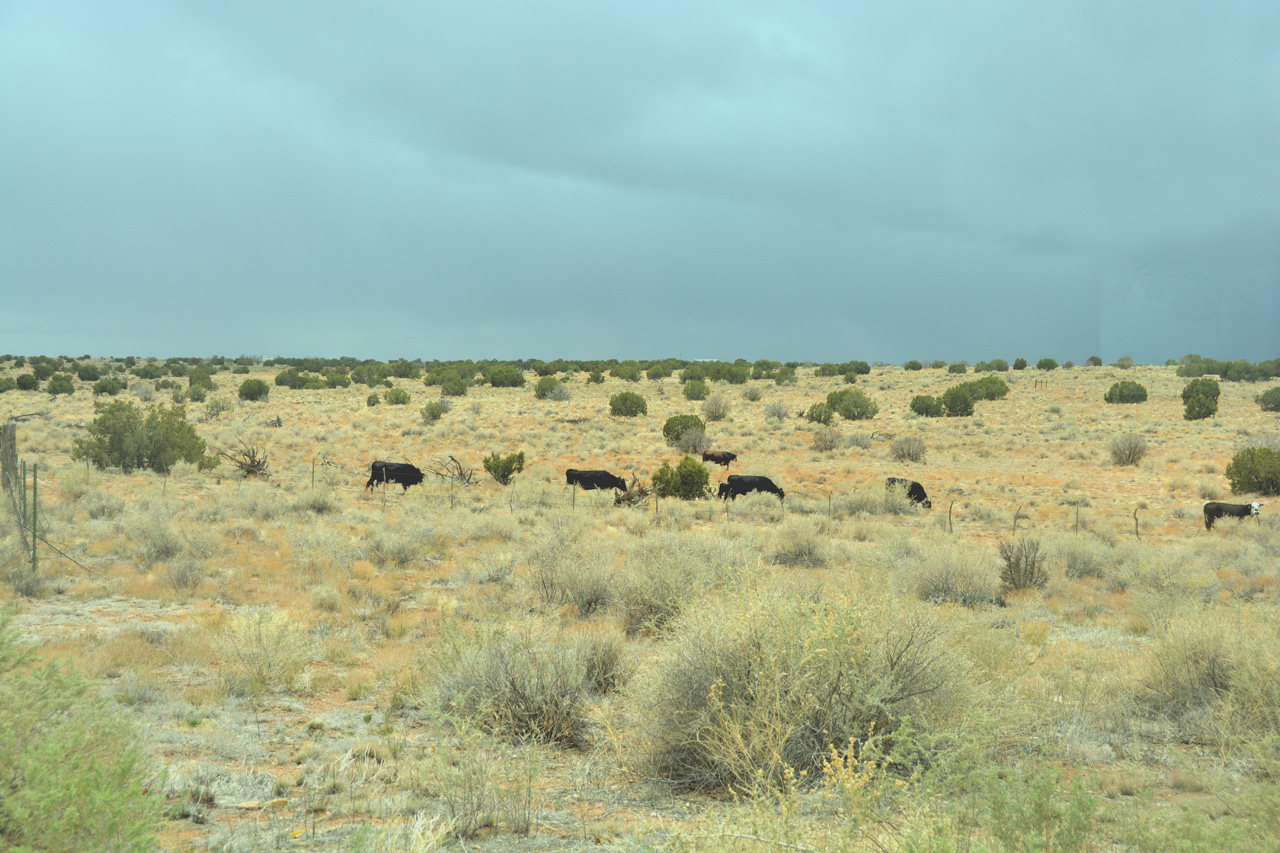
(1214, 511)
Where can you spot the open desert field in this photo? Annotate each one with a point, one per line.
(308, 664)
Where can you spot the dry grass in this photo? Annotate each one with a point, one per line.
(231, 615)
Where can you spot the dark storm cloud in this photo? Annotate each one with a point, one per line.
(816, 181)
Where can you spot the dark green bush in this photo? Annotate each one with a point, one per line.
(957, 367)
(503, 468)
(926, 406)
(784, 376)
(1242, 371)
(660, 370)
(992, 366)
(595, 377)
(827, 369)
(396, 397)
(1202, 387)
(196, 394)
(1198, 408)
(678, 425)
(1269, 400)
(912, 365)
(504, 376)
(290, 378)
(1046, 364)
(434, 411)
(7, 383)
(694, 371)
(1124, 362)
(1255, 470)
(986, 388)
(628, 404)
(254, 389)
(27, 382)
(372, 400)
(61, 383)
(820, 413)
(201, 379)
(937, 364)
(241, 369)
(454, 386)
(88, 373)
(689, 480)
(861, 368)
(695, 389)
(334, 379)
(1019, 364)
(120, 436)
(545, 387)
(628, 371)
(852, 405)
(1094, 361)
(74, 775)
(1126, 392)
(43, 370)
(1068, 364)
(957, 401)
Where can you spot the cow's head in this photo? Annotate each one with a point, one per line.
(1254, 507)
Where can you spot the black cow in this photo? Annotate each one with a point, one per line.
(587, 480)
(394, 472)
(1214, 511)
(740, 484)
(720, 457)
(915, 491)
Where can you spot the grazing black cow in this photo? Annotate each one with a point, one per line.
(720, 457)
(1214, 511)
(740, 484)
(394, 472)
(587, 480)
(915, 491)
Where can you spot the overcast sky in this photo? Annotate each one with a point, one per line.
(809, 181)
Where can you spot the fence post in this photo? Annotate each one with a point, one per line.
(35, 512)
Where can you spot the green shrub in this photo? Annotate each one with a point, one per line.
(504, 376)
(820, 413)
(694, 371)
(926, 406)
(7, 383)
(433, 411)
(687, 481)
(1269, 400)
(503, 468)
(201, 379)
(454, 386)
(196, 394)
(595, 377)
(334, 379)
(61, 383)
(1019, 364)
(784, 376)
(74, 775)
(661, 370)
(120, 436)
(1203, 387)
(372, 400)
(254, 389)
(545, 387)
(1255, 470)
(695, 389)
(1068, 364)
(1046, 364)
(937, 364)
(957, 367)
(88, 373)
(43, 370)
(678, 425)
(1198, 408)
(1242, 371)
(827, 369)
(396, 397)
(628, 404)
(912, 365)
(1126, 392)
(987, 388)
(1094, 361)
(957, 401)
(627, 372)
(27, 382)
(241, 369)
(852, 405)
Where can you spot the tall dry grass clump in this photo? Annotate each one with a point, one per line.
(262, 650)
(943, 571)
(760, 687)
(1128, 449)
(1214, 680)
(1025, 564)
(522, 690)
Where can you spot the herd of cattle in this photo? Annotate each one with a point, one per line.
(406, 475)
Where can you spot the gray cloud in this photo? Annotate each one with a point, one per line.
(818, 180)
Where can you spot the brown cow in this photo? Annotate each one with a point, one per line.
(720, 457)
